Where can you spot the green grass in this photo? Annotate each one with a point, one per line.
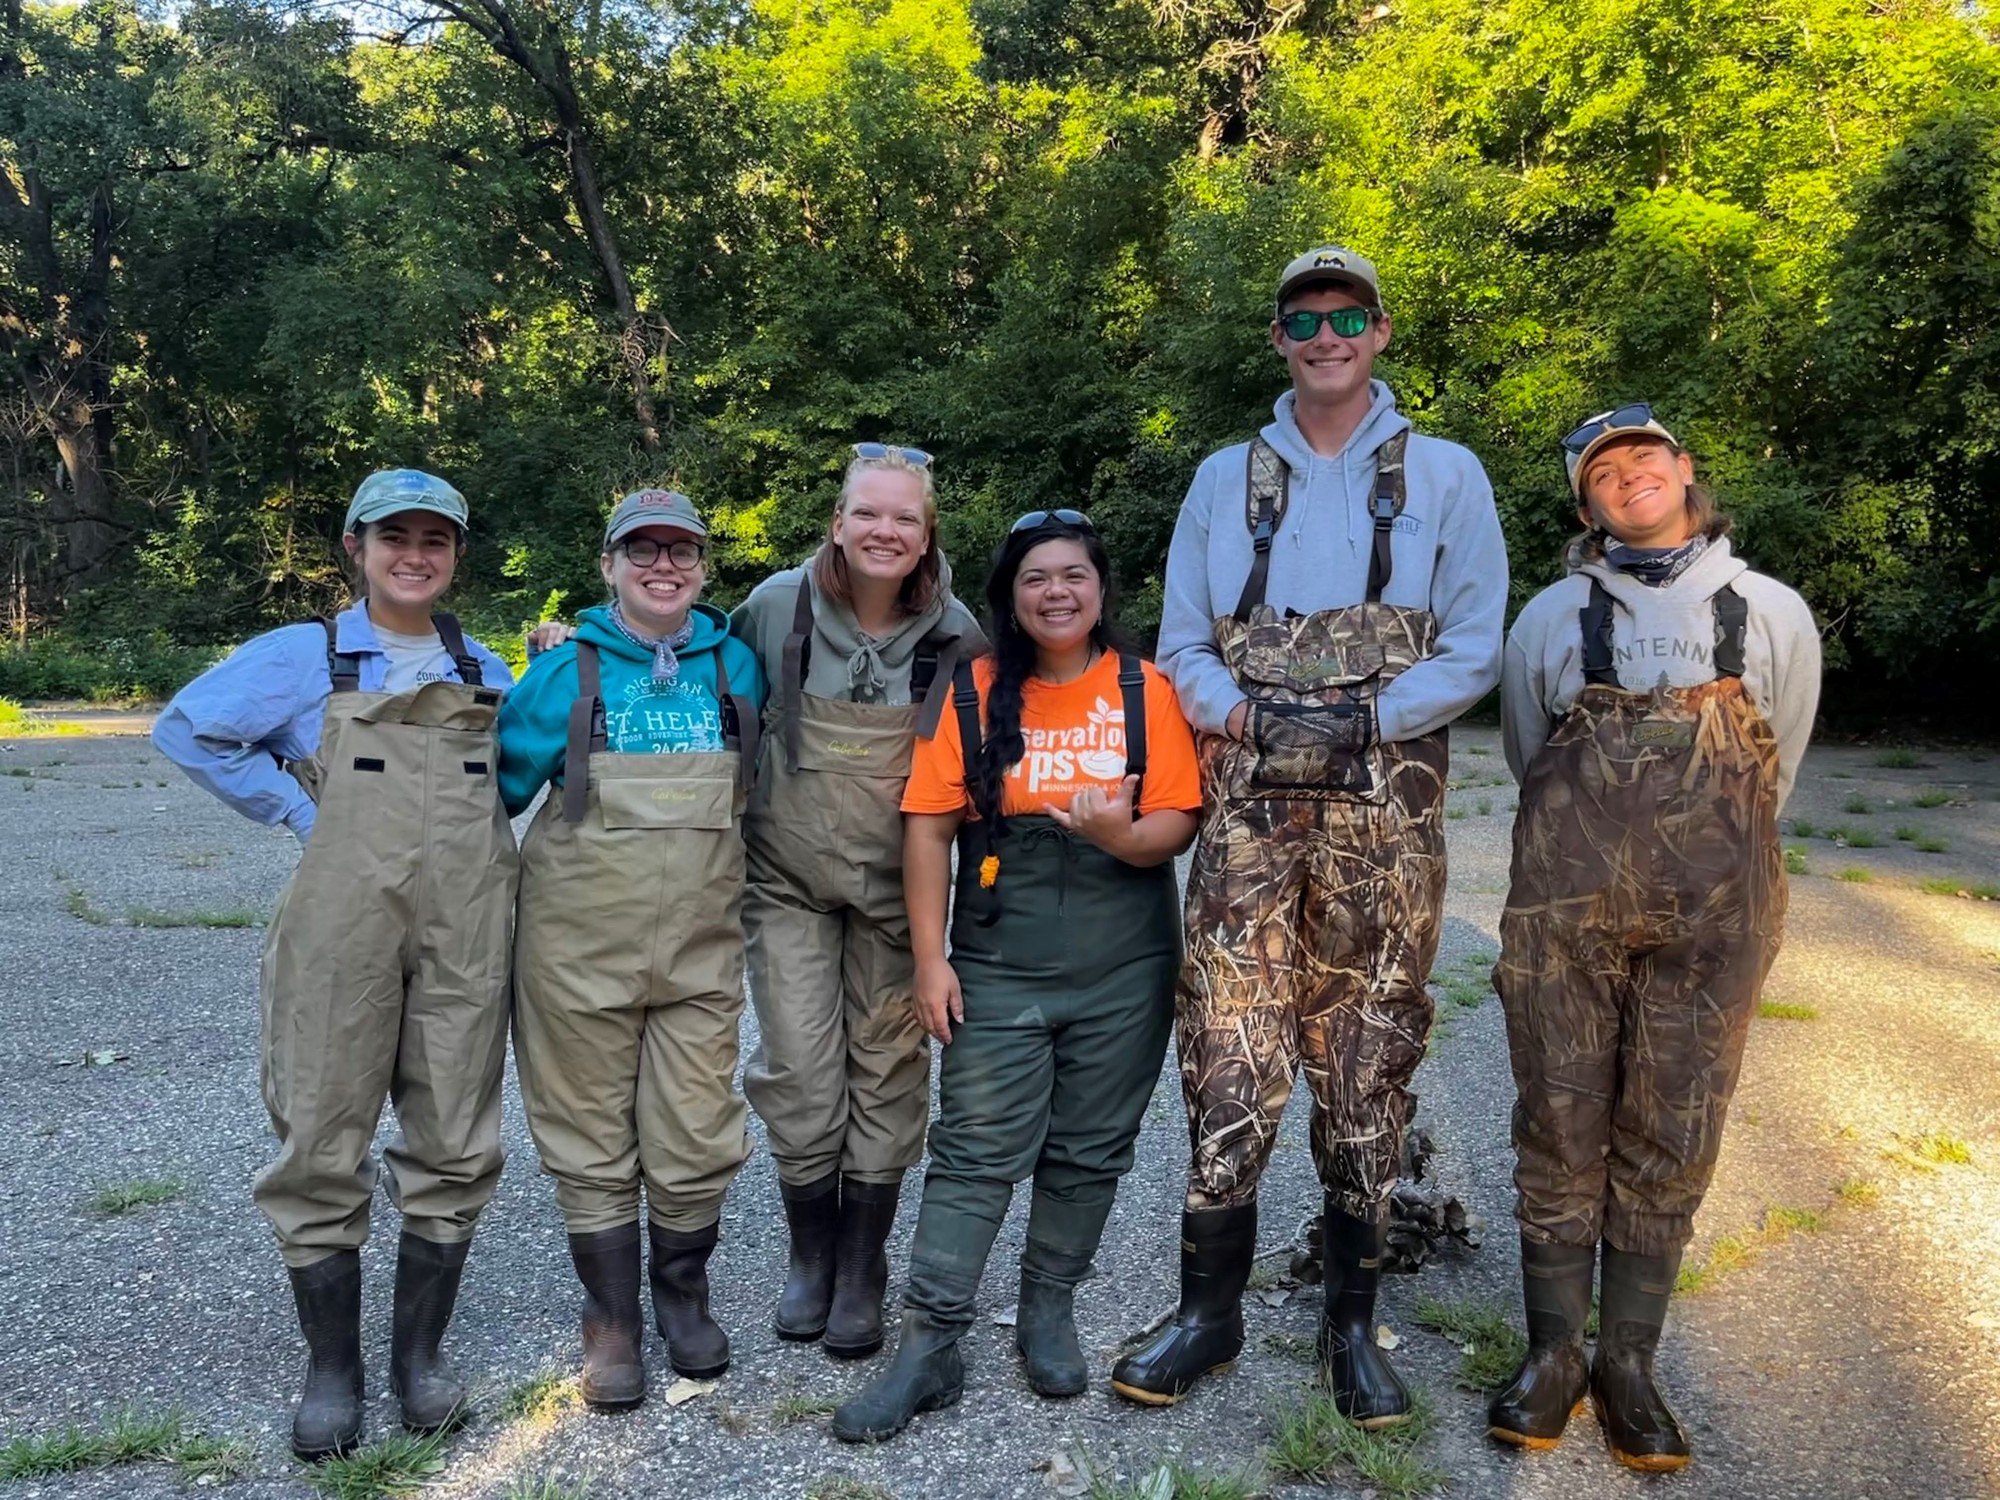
(78, 904)
(1946, 1150)
(1905, 834)
(1490, 1348)
(1782, 1222)
(550, 1487)
(1734, 1251)
(800, 1408)
(1795, 861)
(840, 1487)
(1173, 1480)
(542, 1397)
(1858, 805)
(1929, 845)
(1485, 806)
(1858, 1192)
(1898, 760)
(1932, 798)
(118, 1198)
(1454, 813)
(400, 1464)
(234, 916)
(1803, 829)
(1948, 887)
(1785, 1010)
(1312, 1443)
(130, 1437)
(1861, 838)
(1854, 875)
(1291, 1346)
(16, 723)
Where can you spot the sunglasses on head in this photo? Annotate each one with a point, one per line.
(1348, 322)
(916, 458)
(1035, 519)
(1638, 414)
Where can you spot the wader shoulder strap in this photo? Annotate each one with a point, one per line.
(1599, 663)
(937, 686)
(1132, 698)
(586, 732)
(1392, 492)
(965, 703)
(739, 722)
(792, 660)
(342, 667)
(448, 631)
(1732, 622)
(1266, 488)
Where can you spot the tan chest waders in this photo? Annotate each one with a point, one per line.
(385, 967)
(629, 971)
(841, 1074)
(1314, 899)
(1645, 910)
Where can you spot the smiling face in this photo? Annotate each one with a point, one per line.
(1058, 596)
(1328, 370)
(407, 560)
(883, 527)
(656, 599)
(1636, 488)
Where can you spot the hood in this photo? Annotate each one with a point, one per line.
(1382, 423)
(1705, 577)
(711, 629)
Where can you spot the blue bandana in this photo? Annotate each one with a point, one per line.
(1656, 567)
(666, 666)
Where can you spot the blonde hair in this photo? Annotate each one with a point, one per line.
(829, 564)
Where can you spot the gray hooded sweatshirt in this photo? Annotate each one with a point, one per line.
(1446, 554)
(1663, 636)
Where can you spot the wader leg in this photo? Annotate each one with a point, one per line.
(795, 1079)
(579, 1060)
(691, 1119)
(888, 1062)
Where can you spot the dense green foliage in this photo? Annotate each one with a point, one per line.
(552, 249)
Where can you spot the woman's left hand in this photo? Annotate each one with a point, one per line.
(1105, 818)
(548, 635)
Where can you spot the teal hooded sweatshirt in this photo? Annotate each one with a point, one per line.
(641, 716)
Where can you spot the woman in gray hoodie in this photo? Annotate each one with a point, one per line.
(1655, 703)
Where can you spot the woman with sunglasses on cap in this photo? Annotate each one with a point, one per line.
(629, 962)
(1656, 703)
(1067, 778)
(385, 965)
(853, 642)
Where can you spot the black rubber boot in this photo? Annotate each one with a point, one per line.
(429, 1390)
(1554, 1380)
(926, 1375)
(861, 1267)
(696, 1345)
(614, 1368)
(1631, 1310)
(1365, 1388)
(1045, 1336)
(328, 1294)
(1206, 1334)
(813, 1214)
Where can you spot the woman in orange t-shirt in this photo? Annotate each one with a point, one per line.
(1067, 777)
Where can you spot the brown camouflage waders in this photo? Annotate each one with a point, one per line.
(1646, 905)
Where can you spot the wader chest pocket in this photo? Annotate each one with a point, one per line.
(1272, 658)
(667, 802)
(855, 752)
(1310, 747)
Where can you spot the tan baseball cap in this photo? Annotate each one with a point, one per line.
(1332, 265)
(653, 508)
(1633, 420)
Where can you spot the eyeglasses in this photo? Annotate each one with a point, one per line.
(1348, 322)
(1035, 519)
(644, 552)
(916, 458)
(1638, 414)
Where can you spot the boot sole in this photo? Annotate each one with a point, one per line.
(936, 1402)
(706, 1372)
(851, 1351)
(1167, 1398)
(340, 1449)
(1652, 1463)
(798, 1335)
(1534, 1444)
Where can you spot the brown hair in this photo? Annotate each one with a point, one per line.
(1706, 517)
(829, 564)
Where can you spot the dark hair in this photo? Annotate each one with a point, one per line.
(1014, 656)
(1706, 517)
(359, 580)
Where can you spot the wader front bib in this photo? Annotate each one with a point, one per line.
(1645, 910)
(841, 1074)
(629, 973)
(386, 963)
(1318, 878)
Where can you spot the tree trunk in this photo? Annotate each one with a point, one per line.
(633, 327)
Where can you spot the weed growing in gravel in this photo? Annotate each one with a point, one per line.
(1454, 813)
(1861, 838)
(1898, 760)
(1854, 875)
(1291, 1346)
(1477, 750)
(1490, 1349)
(1734, 1251)
(1937, 1149)
(78, 905)
(1785, 1010)
(400, 1464)
(1312, 1441)
(1803, 829)
(1858, 805)
(1174, 1480)
(1905, 834)
(1485, 806)
(204, 1460)
(542, 1397)
(1858, 1192)
(16, 771)
(800, 1408)
(1932, 798)
(840, 1487)
(1780, 1222)
(1795, 861)
(130, 1437)
(16, 723)
(142, 1192)
(1949, 887)
(550, 1487)
(1928, 845)
(234, 916)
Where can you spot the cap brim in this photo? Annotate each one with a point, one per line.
(400, 506)
(1341, 279)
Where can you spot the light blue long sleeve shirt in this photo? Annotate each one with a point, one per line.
(233, 726)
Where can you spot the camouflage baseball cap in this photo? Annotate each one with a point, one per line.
(653, 508)
(1332, 265)
(389, 492)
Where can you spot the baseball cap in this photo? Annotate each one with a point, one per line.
(1332, 265)
(1620, 421)
(652, 508)
(388, 492)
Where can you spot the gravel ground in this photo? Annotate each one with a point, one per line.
(1858, 1355)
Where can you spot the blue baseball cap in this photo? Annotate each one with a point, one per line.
(389, 492)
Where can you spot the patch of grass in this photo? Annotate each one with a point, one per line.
(1897, 760)
(1858, 1192)
(1932, 798)
(51, 1453)
(840, 1487)
(1734, 1251)
(1266, 1274)
(800, 1408)
(142, 1192)
(1291, 1346)
(1858, 805)
(1485, 806)
(234, 916)
(1906, 834)
(1930, 845)
(542, 1397)
(550, 1487)
(130, 1437)
(1795, 861)
(1785, 1010)
(1312, 1442)
(1477, 750)
(1803, 829)
(1454, 813)
(1970, 892)
(1781, 1222)
(204, 1460)
(1174, 1480)
(401, 1464)
(78, 904)
(1490, 1348)
(16, 723)
(1854, 875)
(16, 771)
(1945, 1150)
(1861, 838)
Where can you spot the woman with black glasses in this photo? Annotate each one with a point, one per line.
(1067, 778)
(1655, 704)
(852, 642)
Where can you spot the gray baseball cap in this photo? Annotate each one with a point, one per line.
(389, 492)
(653, 508)
(1332, 265)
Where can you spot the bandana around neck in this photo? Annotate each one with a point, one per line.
(666, 666)
(1656, 567)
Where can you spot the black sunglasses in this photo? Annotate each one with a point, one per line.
(1348, 322)
(916, 458)
(1638, 414)
(1035, 519)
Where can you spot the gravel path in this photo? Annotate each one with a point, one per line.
(1856, 1354)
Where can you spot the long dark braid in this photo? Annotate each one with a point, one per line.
(1014, 657)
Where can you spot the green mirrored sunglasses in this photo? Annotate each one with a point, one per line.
(1348, 322)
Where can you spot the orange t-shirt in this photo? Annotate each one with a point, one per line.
(1075, 734)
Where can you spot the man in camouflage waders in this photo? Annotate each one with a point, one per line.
(1334, 599)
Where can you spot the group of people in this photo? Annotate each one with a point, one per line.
(781, 791)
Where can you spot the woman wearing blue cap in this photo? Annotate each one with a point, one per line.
(385, 966)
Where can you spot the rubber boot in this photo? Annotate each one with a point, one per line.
(861, 1267)
(1206, 1334)
(1554, 1380)
(428, 1389)
(696, 1345)
(1365, 1388)
(1632, 1308)
(614, 1368)
(812, 1212)
(926, 1375)
(1065, 1227)
(327, 1422)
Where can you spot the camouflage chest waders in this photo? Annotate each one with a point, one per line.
(385, 967)
(1645, 910)
(1318, 877)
